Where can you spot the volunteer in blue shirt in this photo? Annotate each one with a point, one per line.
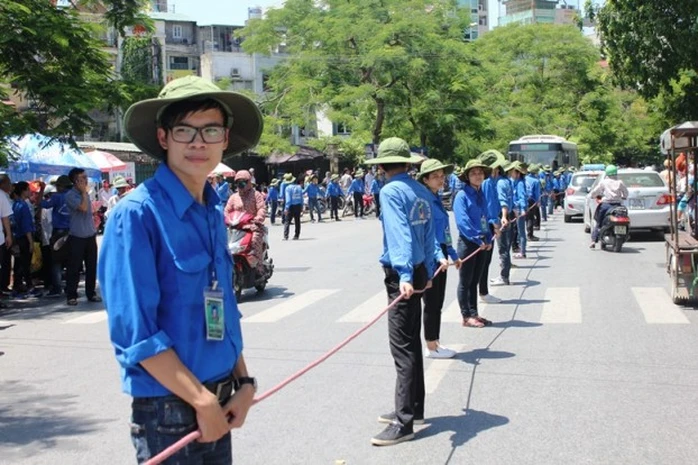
(408, 263)
(505, 196)
(357, 188)
(533, 192)
(496, 161)
(432, 174)
(287, 181)
(557, 189)
(60, 221)
(334, 191)
(293, 206)
(164, 267)
(376, 186)
(520, 207)
(23, 231)
(273, 198)
(312, 191)
(470, 210)
(547, 200)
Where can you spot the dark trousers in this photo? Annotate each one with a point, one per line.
(159, 422)
(358, 204)
(404, 328)
(82, 249)
(334, 207)
(6, 270)
(293, 213)
(504, 250)
(377, 199)
(599, 215)
(485, 276)
(433, 304)
(23, 263)
(469, 275)
(274, 206)
(532, 217)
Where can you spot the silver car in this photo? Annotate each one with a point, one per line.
(648, 200)
(576, 193)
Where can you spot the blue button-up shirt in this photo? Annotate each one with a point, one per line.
(282, 189)
(272, 194)
(333, 189)
(505, 193)
(357, 185)
(533, 187)
(470, 210)
(160, 251)
(60, 215)
(376, 186)
(520, 195)
(408, 229)
(494, 210)
(442, 230)
(312, 190)
(81, 223)
(22, 219)
(294, 196)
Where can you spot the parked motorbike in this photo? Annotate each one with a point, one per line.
(369, 204)
(615, 229)
(240, 247)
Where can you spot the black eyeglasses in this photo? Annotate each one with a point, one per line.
(186, 134)
(241, 183)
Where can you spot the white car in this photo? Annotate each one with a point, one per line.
(648, 200)
(576, 193)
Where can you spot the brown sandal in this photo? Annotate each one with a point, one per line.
(484, 321)
(473, 323)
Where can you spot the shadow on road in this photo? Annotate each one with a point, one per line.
(524, 301)
(473, 357)
(35, 418)
(270, 293)
(464, 427)
(516, 324)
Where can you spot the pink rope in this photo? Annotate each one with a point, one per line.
(193, 436)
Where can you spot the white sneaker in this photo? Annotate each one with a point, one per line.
(440, 352)
(490, 299)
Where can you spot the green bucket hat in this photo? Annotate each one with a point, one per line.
(515, 165)
(359, 173)
(499, 163)
(431, 165)
(475, 163)
(534, 168)
(120, 182)
(288, 177)
(547, 168)
(488, 157)
(274, 182)
(393, 150)
(335, 177)
(244, 118)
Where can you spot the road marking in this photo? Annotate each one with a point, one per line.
(438, 368)
(657, 307)
(291, 306)
(367, 310)
(563, 305)
(90, 318)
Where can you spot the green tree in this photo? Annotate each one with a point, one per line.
(389, 67)
(650, 45)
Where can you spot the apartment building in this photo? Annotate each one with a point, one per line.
(539, 12)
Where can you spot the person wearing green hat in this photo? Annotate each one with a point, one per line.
(454, 183)
(293, 207)
(516, 173)
(475, 237)
(432, 174)
(505, 197)
(408, 264)
(312, 190)
(273, 199)
(375, 190)
(612, 192)
(356, 189)
(532, 182)
(164, 266)
(494, 212)
(546, 200)
(288, 179)
(334, 192)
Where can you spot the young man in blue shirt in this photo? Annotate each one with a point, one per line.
(293, 206)
(333, 193)
(165, 266)
(312, 190)
(356, 189)
(532, 182)
(60, 221)
(273, 198)
(376, 186)
(408, 263)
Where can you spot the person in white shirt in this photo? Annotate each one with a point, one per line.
(105, 193)
(345, 181)
(5, 231)
(122, 188)
(253, 180)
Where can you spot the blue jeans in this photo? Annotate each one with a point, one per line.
(313, 205)
(274, 206)
(159, 422)
(551, 203)
(504, 248)
(544, 201)
(521, 226)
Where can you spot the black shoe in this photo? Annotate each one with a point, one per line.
(392, 418)
(393, 434)
(285, 238)
(295, 238)
(533, 239)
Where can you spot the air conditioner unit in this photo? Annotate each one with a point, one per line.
(234, 72)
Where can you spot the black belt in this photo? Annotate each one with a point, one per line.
(222, 389)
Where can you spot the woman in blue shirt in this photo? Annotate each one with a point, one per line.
(470, 209)
(433, 175)
(333, 193)
(273, 198)
(22, 230)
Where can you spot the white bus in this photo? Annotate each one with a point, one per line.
(545, 150)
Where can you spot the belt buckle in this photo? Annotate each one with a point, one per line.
(220, 388)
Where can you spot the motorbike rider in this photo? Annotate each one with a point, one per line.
(248, 199)
(614, 192)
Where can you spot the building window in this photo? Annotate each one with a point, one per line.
(179, 63)
(341, 129)
(177, 32)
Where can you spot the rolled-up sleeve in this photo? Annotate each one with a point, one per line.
(128, 279)
(398, 236)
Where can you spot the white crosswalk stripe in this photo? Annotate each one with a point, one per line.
(88, 319)
(367, 310)
(657, 307)
(437, 369)
(291, 306)
(563, 305)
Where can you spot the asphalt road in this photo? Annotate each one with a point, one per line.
(588, 362)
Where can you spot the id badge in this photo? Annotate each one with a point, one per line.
(215, 314)
(484, 227)
(449, 240)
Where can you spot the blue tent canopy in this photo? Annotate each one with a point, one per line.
(39, 155)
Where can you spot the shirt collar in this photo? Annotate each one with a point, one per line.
(179, 195)
(401, 176)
